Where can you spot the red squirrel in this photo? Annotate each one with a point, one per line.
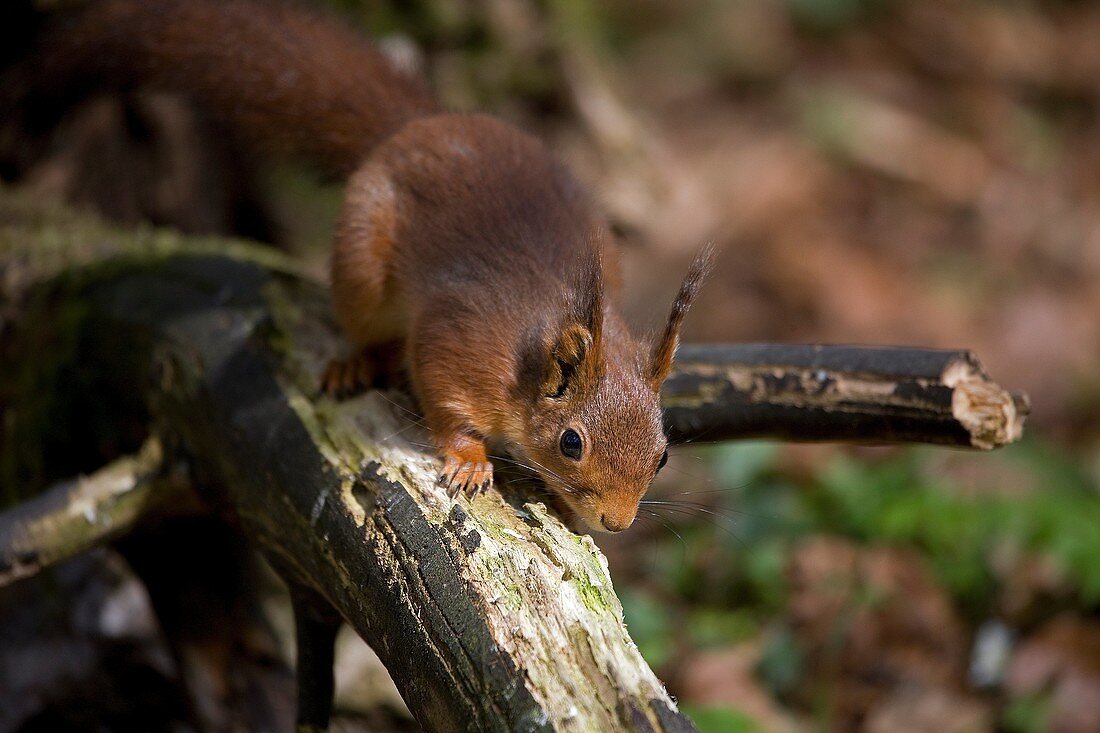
(463, 244)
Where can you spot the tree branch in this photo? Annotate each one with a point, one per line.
(839, 393)
(80, 513)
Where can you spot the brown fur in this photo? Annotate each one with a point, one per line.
(461, 238)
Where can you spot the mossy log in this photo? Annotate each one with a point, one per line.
(489, 615)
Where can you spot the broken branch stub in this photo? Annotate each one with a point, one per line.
(856, 394)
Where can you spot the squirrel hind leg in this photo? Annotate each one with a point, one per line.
(364, 300)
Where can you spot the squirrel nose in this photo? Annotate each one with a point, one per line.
(613, 524)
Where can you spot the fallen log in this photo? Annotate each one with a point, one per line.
(489, 615)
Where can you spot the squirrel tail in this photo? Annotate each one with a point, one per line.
(283, 79)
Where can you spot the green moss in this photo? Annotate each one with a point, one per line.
(598, 598)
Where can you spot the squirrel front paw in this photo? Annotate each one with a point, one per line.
(469, 477)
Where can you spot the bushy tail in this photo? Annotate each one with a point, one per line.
(283, 79)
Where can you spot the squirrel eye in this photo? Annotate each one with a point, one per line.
(663, 461)
(571, 444)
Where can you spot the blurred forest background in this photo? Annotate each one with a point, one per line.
(920, 172)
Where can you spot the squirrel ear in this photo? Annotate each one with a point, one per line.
(567, 356)
(577, 346)
(665, 349)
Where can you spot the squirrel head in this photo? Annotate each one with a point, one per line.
(595, 431)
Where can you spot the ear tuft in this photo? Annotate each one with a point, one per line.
(589, 308)
(665, 349)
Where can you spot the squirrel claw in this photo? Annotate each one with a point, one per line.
(466, 477)
(477, 487)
